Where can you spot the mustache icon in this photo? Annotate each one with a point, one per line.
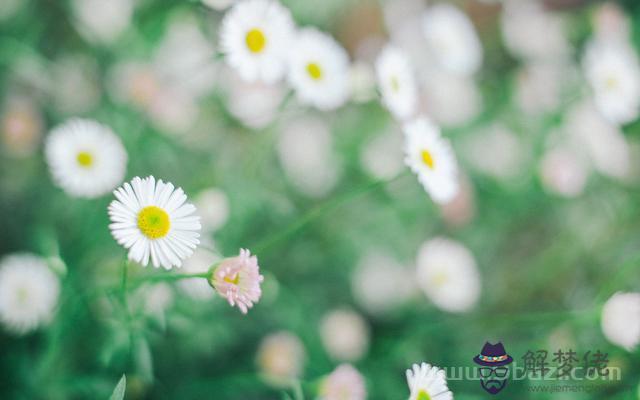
(493, 386)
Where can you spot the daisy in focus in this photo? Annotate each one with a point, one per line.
(154, 221)
(448, 275)
(431, 158)
(344, 383)
(427, 382)
(319, 70)
(86, 158)
(452, 40)
(255, 37)
(29, 292)
(396, 82)
(613, 71)
(238, 280)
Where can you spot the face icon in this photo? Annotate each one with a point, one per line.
(493, 367)
(493, 379)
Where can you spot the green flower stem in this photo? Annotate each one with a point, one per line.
(317, 212)
(167, 277)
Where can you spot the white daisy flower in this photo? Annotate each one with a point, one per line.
(451, 100)
(344, 383)
(532, 33)
(281, 358)
(431, 158)
(452, 39)
(448, 275)
(380, 284)
(86, 158)
(621, 320)
(600, 140)
(154, 221)
(613, 70)
(255, 38)
(396, 82)
(29, 292)
(305, 150)
(345, 335)
(428, 382)
(102, 21)
(319, 70)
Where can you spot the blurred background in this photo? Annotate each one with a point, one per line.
(543, 232)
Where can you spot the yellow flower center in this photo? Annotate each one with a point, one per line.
(233, 280)
(85, 159)
(395, 85)
(153, 222)
(22, 295)
(440, 279)
(255, 40)
(611, 82)
(423, 395)
(314, 71)
(427, 158)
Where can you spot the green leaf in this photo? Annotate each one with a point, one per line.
(118, 392)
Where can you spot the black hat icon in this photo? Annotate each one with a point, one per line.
(493, 355)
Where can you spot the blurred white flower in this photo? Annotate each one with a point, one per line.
(540, 85)
(380, 284)
(281, 357)
(305, 149)
(184, 59)
(213, 207)
(75, 85)
(102, 21)
(344, 383)
(29, 292)
(448, 275)
(21, 125)
(363, 82)
(431, 158)
(564, 171)
(345, 335)
(319, 69)
(218, 4)
(621, 320)
(154, 221)
(382, 155)
(8, 8)
(199, 262)
(135, 83)
(449, 99)
(85, 157)
(613, 70)
(610, 22)
(156, 298)
(173, 110)
(428, 382)
(462, 208)
(508, 153)
(255, 104)
(452, 40)
(396, 82)
(532, 33)
(238, 280)
(602, 141)
(255, 38)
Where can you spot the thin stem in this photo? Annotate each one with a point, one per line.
(318, 211)
(168, 277)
